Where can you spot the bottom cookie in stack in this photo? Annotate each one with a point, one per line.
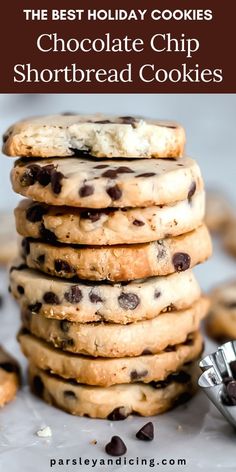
(113, 388)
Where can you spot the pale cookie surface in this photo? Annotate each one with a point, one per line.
(221, 322)
(111, 226)
(96, 135)
(86, 302)
(8, 238)
(114, 340)
(79, 182)
(9, 377)
(106, 372)
(229, 237)
(118, 401)
(119, 263)
(218, 211)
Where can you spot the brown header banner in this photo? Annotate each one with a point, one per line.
(145, 46)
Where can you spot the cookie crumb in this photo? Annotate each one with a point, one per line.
(94, 441)
(179, 427)
(45, 432)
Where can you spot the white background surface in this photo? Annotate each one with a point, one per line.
(204, 440)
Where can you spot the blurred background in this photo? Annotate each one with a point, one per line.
(209, 120)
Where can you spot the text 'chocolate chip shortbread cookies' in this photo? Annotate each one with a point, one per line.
(79, 182)
(87, 301)
(111, 227)
(96, 135)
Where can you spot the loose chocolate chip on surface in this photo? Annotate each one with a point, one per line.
(20, 289)
(118, 414)
(65, 326)
(35, 212)
(51, 298)
(35, 307)
(146, 433)
(192, 190)
(47, 235)
(44, 175)
(70, 394)
(62, 266)
(74, 294)
(86, 191)
(94, 297)
(128, 301)
(146, 174)
(114, 192)
(181, 261)
(56, 181)
(231, 390)
(138, 223)
(116, 447)
(25, 246)
(38, 386)
(135, 375)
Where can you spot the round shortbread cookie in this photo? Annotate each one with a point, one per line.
(221, 321)
(85, 302)
(119, 263)
(9, 377)
(8, 238)
(96, 135)
(79, 182)
(111, 226)
(118, 401)
(106, 372)
(229, 237)
(218, 211)
(114, 340)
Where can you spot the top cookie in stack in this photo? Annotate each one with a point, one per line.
(110, 234)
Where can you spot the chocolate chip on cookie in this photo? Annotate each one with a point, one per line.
(181, 261)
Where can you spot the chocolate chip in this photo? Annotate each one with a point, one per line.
(101, 166)
(157, 293)
(116, 447)
(138, 223)
(86, 191)
(94, 297)
(128, 301)
(81, 152)
(146, 433)
(47, 235)
(181, 261)
(231, 390)
(41, 259)
(70, 395)
(114, 192)
(170, 349)
(62, 266)
(192, 190)
(35, 307)
(118, 414)
(230, 305)
(65, 343)
(56, 181)
(74, 294)
(146, 352)
(124, 170)
(110, 173)
(51, 298)
(38, 386)
(25, 246)
(65, 326)
(30, 175)
(128, 120)
(44, 175)
(20, 289)
(146, 174)
(91, 215)
(9, 366)
(102, 122)
(35, 212)
(135, 375)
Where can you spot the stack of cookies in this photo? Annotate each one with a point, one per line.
(111, 229)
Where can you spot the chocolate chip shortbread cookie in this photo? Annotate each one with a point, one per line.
(218, 211)
(122, 262)
(109, 226)
(9, 377)
(118, 401)
(106, 372)
(229, 237)
(114, 340)
(95, 135)
(79, 182)
(86, 301)
(221, 322)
